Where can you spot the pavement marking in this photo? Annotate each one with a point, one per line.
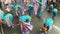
(56, 27)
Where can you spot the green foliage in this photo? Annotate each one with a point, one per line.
(15, 33)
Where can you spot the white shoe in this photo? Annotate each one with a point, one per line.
(42, 33)
(40, 30)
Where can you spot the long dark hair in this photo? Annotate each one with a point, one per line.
(47, 27)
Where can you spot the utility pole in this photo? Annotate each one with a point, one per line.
(2, 32)
(2, 4)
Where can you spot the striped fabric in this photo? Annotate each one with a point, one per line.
(23, 10)
(44, 4)
(36, 8)
(26, 0)
(25, 27)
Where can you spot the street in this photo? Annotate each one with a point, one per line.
(37, 24)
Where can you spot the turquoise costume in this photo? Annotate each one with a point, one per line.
(54, 12)
(49, 22)
(1, 14)
(17, 6)
(39, 9)
(24, 18)
(51, 6)
(8, 18)
(30, 9)
(17, 9)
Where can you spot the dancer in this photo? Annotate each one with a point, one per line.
(47, 25)
(26, 27)
(8, 18)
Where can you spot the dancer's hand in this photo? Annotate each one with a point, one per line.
(1, 20)
(12, 25)
(44, 29)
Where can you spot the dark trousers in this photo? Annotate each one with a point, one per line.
(0, 5)
(30, 12)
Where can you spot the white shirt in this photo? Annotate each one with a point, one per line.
(7, 1)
